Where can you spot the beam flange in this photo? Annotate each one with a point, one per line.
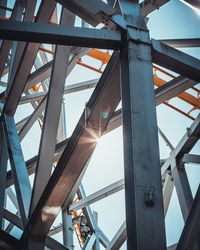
(176, 60)
(46, 33)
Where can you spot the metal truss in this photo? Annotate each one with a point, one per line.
(33, 74)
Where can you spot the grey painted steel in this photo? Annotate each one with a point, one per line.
(31, 163)
(68, 229)
(185, 145)
(28, 16)
(46, 33)
(45, 71)
(144, 204)
(50, 126)
(98, 12)
(191, 158)
(173, 88)
(26, 63)
(30, 121)
(182, 43)
(88, 213)
(183, 189)
(13, 218)
(82, 143)
(90, 243)
(194, 3)
(12, 197)
(191, 230)
(20, 124)
(3, 4)
(6, 45)
(176, 60)
(148, 6)
(109, 190)
(167, 189)
(20, 8)
(114, 123)
(97, 241)
(119, 238)
(168, 143)
(39, 75)
(53, 244)
(3, 170)
(70, 88)
(8, 242)
(70, 153)
(49, 242)
(172, 247)
(18, 167)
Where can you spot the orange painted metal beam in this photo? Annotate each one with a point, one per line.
(104, 57)
(190, 99)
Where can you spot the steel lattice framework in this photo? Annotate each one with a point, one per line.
(129, 76)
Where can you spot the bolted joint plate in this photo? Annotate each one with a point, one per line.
(138, 35)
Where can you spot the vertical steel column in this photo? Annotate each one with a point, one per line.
(97, 242)
(144, 203)
(67, 229)
(3, 169)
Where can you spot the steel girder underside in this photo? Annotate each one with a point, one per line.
(148, 188)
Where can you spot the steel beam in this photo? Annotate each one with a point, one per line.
(45, 71)
(46, 33)
(14, 219)
(50, 242)
(31, 120)
(89, 243)
(3, 170)
(88, 214)
(19, 47)
(39, 75)
(6, 45)
(167, 189)
(103, 193)
(182, 43)
(191, 230)
(191, 158)
(185, 145)
(144, 204)
(183, 189)
(18, 167)
(114, 123)
(173, 88)
(9, 192)
(119, 238)
(95, 13)
(68, 229)
(71, 88)
(194, 3)
(8, 242)
(176, 60)
(172, 247)
(50, 126)
(168, 143)
(27, 61)
(148, 6)
(81, 144)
